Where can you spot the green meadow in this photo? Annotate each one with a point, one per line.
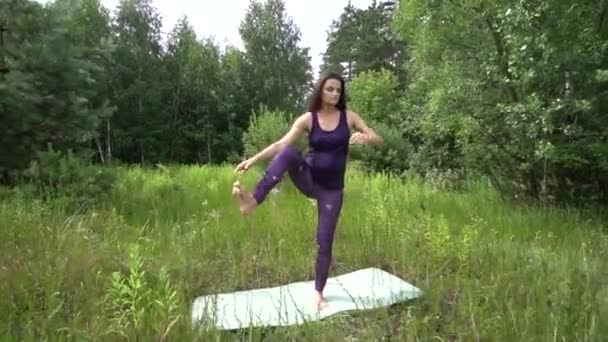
(129, 266)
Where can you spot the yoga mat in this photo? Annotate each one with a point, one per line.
(291, 304)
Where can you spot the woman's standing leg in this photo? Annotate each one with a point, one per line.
(329, 206)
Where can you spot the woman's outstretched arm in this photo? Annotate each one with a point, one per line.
(294, 133)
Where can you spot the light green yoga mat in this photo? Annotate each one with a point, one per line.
(291, 304)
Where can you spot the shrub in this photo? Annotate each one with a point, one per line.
(66, 175)
(392, 156)
(265, 127)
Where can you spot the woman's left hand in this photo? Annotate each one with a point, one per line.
(358, 138)
(364, 134)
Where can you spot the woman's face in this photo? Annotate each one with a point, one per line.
(331, 91)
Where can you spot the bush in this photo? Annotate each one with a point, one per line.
(392, 156)
(375, 95)
(266, 127)
(68, 176)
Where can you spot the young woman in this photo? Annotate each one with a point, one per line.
(318, 175)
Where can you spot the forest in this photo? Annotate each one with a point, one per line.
(120, 136)
(514, 94)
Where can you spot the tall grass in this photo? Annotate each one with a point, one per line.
(130, 268)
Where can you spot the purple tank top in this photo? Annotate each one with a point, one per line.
(328, 152)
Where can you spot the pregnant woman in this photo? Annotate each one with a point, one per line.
(320, 173)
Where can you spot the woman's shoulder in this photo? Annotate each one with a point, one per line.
(304, 117)
(351, 113)
(304, 121)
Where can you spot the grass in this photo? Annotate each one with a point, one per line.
(130, 267)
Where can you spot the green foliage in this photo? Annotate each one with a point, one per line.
(392, 156)
(278, 69)
(109, 83)
(130, 268)
(68, 176)
(50, 95)
(199, 128)
(266, 127)
(500, 90)
(235, 105)
(374, 95)
(137, 77)
(135, 302)
(504, 90)
(362, 40)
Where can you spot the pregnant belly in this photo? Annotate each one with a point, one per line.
(326, 163)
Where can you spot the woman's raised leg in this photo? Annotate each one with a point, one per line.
(288, 160)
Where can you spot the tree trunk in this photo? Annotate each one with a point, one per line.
(603, 13)
(209, 149)
(502, 58)
(603, 185)
(100, 150)
(108, 142)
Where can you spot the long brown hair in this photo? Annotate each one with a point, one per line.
(316, 99)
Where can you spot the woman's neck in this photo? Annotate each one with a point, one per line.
(328, 108)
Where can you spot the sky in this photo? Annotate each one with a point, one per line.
(220, 19)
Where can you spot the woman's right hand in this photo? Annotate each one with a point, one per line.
(244, 165)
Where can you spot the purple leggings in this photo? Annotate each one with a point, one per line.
(329, 203)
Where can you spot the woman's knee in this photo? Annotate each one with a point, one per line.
(325, 241)
(288, 151)
(289, 154)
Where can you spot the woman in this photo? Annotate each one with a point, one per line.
(320, 174)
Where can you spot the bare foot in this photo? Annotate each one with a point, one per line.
(319, 301)
(246, 200)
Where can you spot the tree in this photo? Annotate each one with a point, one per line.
(362, 40)
(138, 126)
(50, 95)
(279, 72)
(507, 91)
(89, 26)
(236, 108)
